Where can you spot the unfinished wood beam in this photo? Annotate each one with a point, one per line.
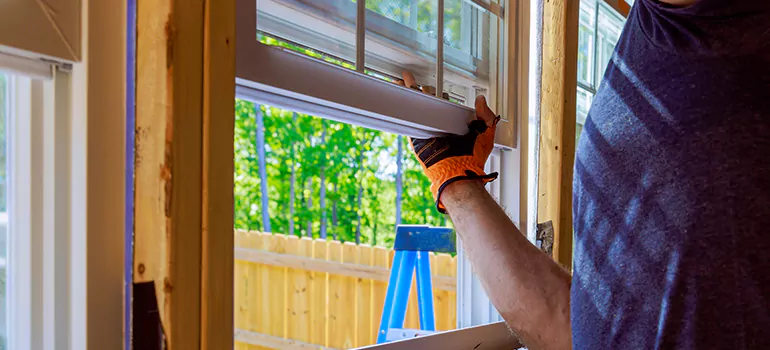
(183, 166)
(557, 123)
(218, 212)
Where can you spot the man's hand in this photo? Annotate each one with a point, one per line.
(459, 157)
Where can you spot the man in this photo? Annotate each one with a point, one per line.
(671, 194)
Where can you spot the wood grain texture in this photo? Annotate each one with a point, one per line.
(168, 162)
(217, 176)
(298, 292)
(366, 330)
(333, 267)
(557, 126)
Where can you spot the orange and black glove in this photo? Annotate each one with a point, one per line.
(459, 157)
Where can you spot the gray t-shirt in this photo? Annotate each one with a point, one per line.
(672, 184)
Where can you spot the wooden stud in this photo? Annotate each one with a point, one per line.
(183, 167)
(168, 163)
(217, 304)
(557, 125)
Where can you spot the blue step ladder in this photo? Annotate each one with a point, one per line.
(413, 246)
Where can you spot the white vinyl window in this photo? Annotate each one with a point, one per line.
(599, 31)
(360, 51)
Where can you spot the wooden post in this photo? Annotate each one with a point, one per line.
(183, 167)
(557, 125)
(217, 305)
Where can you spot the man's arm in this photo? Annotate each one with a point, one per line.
(527, 287)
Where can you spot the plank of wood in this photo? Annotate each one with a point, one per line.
(216, 295)
(557, 125)
(332, 267)
(277, 288)
(298, 291)
(445, 301)
(365, 324)
(168, 163)
(265, 341)
(412, 320)
(342, 298)
(320, 294)
(259, 279)
(380, 288)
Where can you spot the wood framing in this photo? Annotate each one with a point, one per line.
(183, 166)
(557, 123)
(218, 127)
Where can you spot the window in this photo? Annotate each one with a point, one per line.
(323, 170)
(599, 30)
(381, 39)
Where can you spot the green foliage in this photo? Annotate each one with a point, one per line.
(352, 156)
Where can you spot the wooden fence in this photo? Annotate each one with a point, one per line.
(293, 293)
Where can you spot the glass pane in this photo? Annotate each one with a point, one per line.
(4, 107)
(401, 36)
(609, 26)
(586, 33)
(584, 100)
(471, 51)
(325, 29)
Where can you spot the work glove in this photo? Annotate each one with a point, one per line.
(453, 158)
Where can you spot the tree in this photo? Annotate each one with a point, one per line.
(262, 169)
(322, 194)
(399, 177)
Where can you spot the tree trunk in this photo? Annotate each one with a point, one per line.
(262, 169)
(399, 178)
(360, 190)
(292, 193)
(322, 192)
(309, 202)
(334, 215)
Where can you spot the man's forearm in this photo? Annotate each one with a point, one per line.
(527, 287)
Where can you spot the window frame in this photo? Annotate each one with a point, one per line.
(352, 97)
(510, 156)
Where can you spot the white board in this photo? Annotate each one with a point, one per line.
(493, 336)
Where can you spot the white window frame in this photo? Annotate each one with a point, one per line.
(40, 275)
(281, 79)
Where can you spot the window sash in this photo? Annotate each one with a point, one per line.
(281, 79)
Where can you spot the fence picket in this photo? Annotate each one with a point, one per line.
(298, 294)
(364, 332)
(320, 298)
(276, 303)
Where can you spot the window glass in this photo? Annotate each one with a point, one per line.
(598, 33)
(471, 51)
(401, 36)
(609, 26)
(4, 109)
(586, 42)
(323, 27)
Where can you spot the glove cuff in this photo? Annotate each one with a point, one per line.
(454, 169)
